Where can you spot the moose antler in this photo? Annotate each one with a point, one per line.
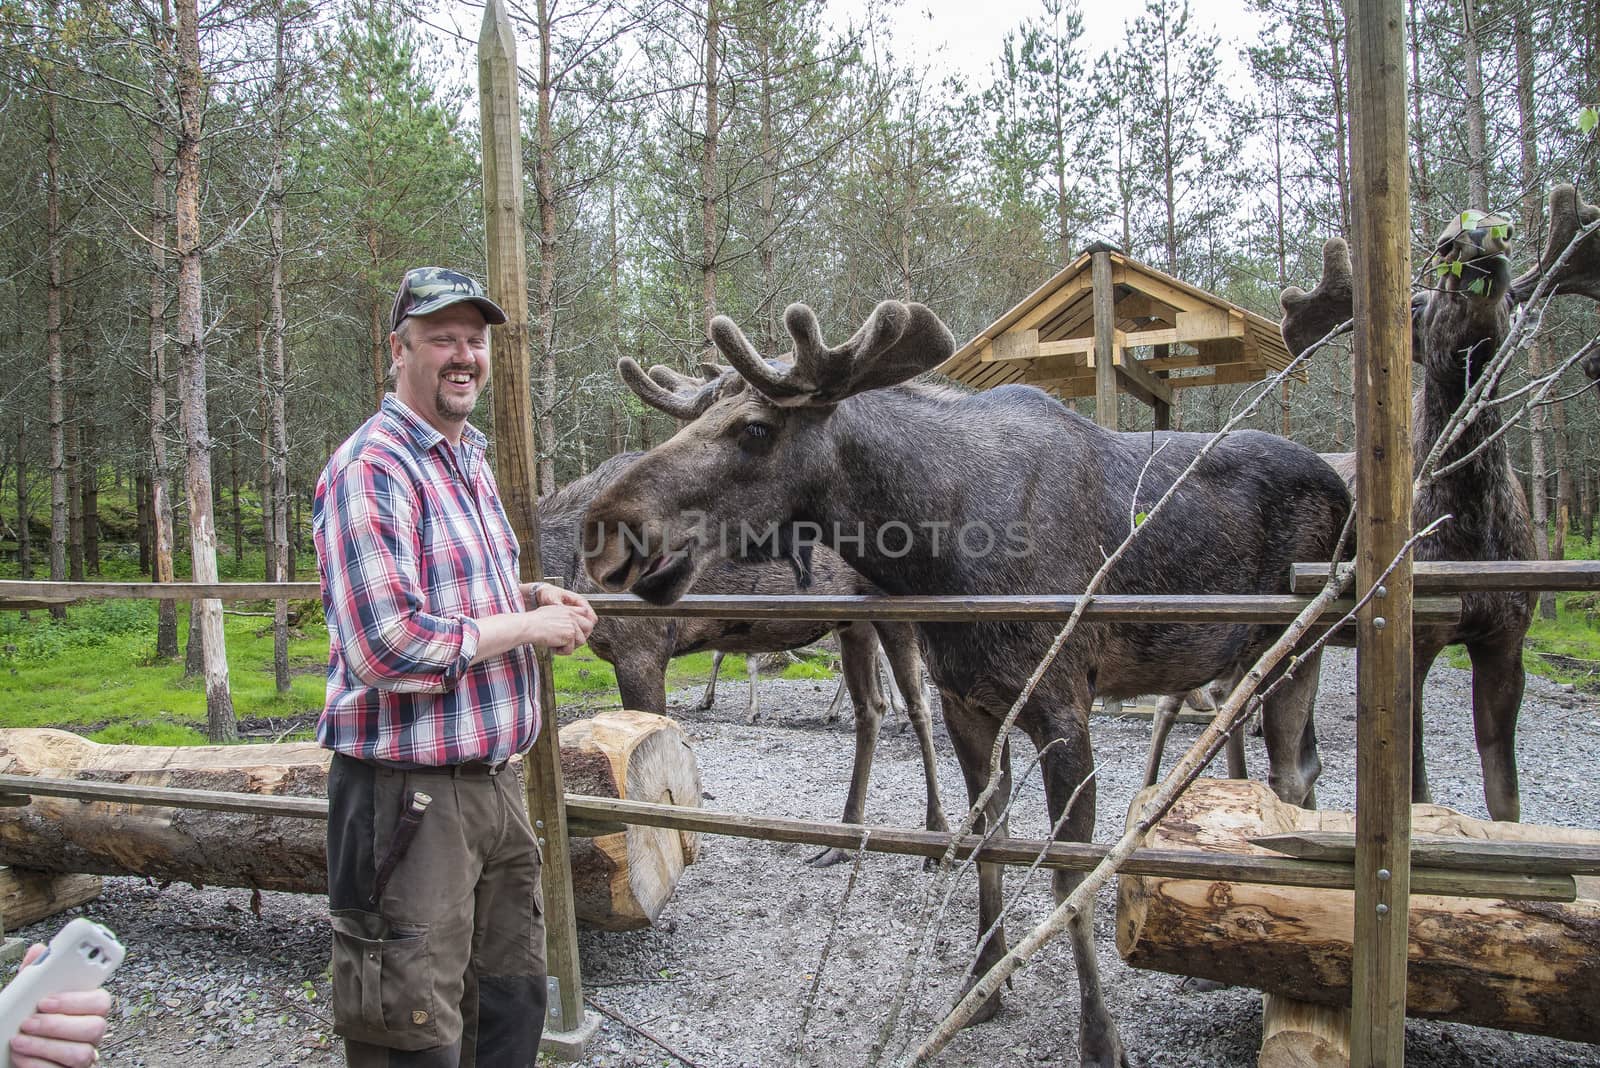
(1580, 273)
(898, 341)
(668, 391)
(1310, 317)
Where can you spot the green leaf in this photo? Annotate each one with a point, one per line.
(1139, 519)
(1476, 287)
(1588, 119)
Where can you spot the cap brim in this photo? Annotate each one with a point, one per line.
(492, 313)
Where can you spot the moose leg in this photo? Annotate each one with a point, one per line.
(1061, 735)
(897, 701)
(858, 651)
(1161, 722)
(972, 735)
(710, 695)
(751, 711)
(1497, 682)
(1422, 658)
(1288, 721)
(905, 661)
(642, 679)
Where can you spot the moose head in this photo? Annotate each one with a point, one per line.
(1473, 291)
(711, 490)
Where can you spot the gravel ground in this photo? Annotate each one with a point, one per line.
(724, 979)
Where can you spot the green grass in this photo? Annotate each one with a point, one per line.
(96, 672)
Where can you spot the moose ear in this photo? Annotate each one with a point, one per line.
(1310, 317)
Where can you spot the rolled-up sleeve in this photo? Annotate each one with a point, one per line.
(379, 609)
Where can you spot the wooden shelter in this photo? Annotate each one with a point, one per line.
(1081, 335)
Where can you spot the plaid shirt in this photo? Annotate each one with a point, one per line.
(412, 546)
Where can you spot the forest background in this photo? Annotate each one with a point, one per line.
(204, 211)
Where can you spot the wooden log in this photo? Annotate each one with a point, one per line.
(1298, 1034)
(276, 852)
(621, 880)
(30, 896)
(1518, 966)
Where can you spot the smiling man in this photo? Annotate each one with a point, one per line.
(433, 869)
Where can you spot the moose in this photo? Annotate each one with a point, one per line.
(1457, 326)
(925, 489)
(639, 648)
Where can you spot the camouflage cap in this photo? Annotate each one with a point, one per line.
(425, 290)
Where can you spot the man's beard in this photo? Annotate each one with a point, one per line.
(453, 408)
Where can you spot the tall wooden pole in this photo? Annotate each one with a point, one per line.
(515, 466)
(1381, 252)
(1105, 344)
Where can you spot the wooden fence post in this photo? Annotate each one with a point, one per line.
(567, 1030)
(1382, 246)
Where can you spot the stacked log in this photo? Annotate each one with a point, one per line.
(646, 753)
(621, 880)
(1529, 966)
(26, 897)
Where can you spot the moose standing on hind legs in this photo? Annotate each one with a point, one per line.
(1456, 329)
(836, 440)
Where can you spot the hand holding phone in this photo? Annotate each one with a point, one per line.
(81, 956)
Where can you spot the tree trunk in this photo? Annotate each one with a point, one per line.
(74, 447)
(1519, 966)
(156, 367)
(545, 314)
(1532, 223)
(238, 513)
(24, 522)
(377, 331)
(708, 171)
(220, 721)
(55, 359)
(276, 430)
(89, 475)
(621, 880)
(1422, 188)
(1477, 123)
(141, 490)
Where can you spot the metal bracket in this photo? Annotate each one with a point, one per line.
(554, 1018)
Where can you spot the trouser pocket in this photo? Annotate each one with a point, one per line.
(383, 982)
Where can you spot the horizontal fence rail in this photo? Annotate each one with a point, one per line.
(1108, 608)
(1454, 877)
(1474, 576)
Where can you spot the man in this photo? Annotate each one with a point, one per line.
(438, 932)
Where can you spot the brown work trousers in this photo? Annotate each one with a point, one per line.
(447, 968)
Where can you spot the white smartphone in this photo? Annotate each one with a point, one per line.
(81, 956)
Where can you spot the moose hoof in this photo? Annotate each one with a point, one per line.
(829, 857)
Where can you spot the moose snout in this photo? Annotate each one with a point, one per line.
(608, 552)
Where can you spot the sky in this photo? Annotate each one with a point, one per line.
(964, 36)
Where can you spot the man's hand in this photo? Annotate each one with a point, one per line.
(542, 594)
(560, 628)
(64, 1031)
(561, 622)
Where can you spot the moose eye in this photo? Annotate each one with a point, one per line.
(755, 438)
